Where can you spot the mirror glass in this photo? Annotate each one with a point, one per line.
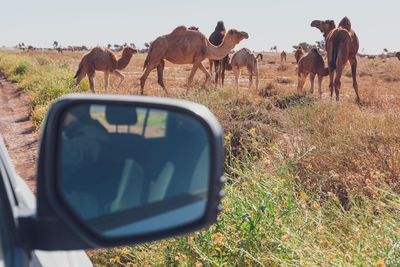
(126, 170)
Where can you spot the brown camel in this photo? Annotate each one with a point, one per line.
(184, 46)
(312, 63)
(341, 46)
(245, 58)
(398, 55)
(299, 53)
(103, 59)
(219, 65)
(283, 56)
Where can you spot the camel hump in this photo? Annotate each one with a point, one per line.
(179, 30)
(345, 23)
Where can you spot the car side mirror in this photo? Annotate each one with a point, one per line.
(116, 170)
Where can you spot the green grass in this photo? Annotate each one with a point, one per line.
(43, 79)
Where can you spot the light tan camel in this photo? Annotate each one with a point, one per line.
(398, 55)
(245, 58)
(283, 56)
(103, 59)
(312, 63)
(184, 46)
(341, 45)
(299, 53)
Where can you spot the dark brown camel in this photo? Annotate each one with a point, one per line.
(398, 55)
(341, 46)
(219, 65)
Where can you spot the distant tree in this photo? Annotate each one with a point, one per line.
(132, 45)
(304, 45)
(385, 50)
(274, 48)
(55, 44)
(147, 45)
(109, 46)
(125, 44)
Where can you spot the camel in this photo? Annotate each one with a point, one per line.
(398, 55)
(245, 58)
(311, 63)
(283, 56)
(184, 46)
(299, 53)
(219, 65)
(103, 59)
(341, 45)
(193, 28)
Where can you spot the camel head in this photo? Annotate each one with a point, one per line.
(299, 53)
(324, 26)
(236, 36)
(220, 27)
(398, 55)
(227, 62)
(128, 51)
(345, 23)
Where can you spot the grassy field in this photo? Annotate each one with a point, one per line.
(310, 181)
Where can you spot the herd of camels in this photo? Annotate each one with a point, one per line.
(189, 46)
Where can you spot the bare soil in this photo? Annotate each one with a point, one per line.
(18, 131)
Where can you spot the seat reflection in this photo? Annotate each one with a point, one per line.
(157, 158)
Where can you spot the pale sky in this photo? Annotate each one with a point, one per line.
(268, 23)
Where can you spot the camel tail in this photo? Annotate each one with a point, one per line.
(334, 54)
(78, 72)
(146, 62)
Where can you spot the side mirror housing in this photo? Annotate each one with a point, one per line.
(117, 170)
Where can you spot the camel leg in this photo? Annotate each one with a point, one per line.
(208, 76)
(216, 69)
(312, 77)
(91, 82)
(106, 78)
(337, 83)
(236, 72)
(320, 86)
(145, 75)
(331, 73)
(222, 75)
(300, 83)
(256, 74)
(220, 72)
(120, 75)
(250, 78)
(160, 74)
(192, 73)
(210, 61)
(353, 63)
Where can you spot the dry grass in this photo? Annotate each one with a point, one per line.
(335, 164)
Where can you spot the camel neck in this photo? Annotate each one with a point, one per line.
(123, 61)
(221, 51)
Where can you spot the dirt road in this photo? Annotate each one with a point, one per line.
(18, 131)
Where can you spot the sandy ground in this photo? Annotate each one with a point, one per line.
(18, 131)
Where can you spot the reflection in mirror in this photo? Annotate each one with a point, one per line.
(128, 170)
